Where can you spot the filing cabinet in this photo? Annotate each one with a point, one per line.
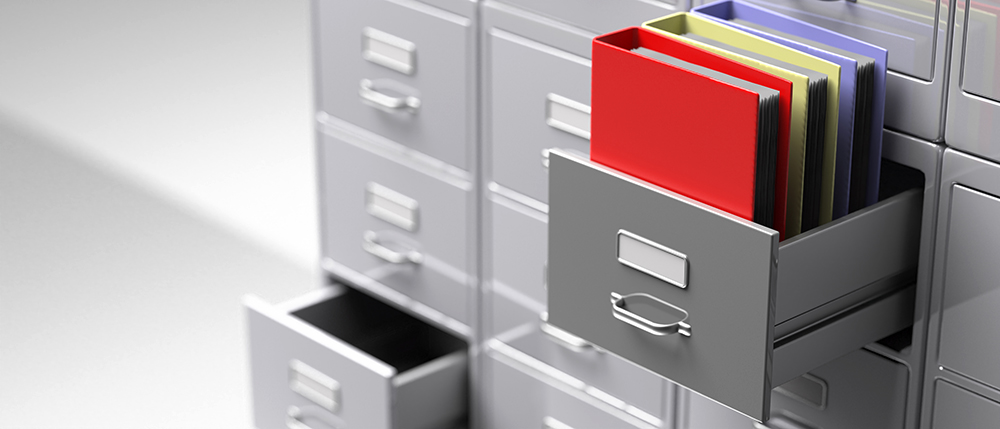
(974, 88)
(538, 79)
(916, 34)
(957, 407)
(403, 225)
(483, 273)
(337, 358)
(601, 16)
(525, 393)
(402, 69)
(963, 317)
(861, 390)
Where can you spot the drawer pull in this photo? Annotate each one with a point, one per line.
(622, 313)
(314, 385)
(373, 245)
(383, 101)
(294, 419)
(551, 423)
(567, 115)
(566, 339)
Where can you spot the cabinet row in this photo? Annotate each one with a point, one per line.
(408, 229)
(408, 71)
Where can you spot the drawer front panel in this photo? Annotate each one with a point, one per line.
(726, 301)
(974, 96)
(400, 69)
(602, 16)
(860, 391)
(915, 33)
(609, 373)
(539, 99)
(404, 228)
(285, 355)
(955, 407)
(971, 292)
(519, 248)
(518, 400)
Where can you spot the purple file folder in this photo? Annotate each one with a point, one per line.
(728, 10)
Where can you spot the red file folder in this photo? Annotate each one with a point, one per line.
(680, 130)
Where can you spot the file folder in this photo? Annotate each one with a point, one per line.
(680, 24)
(815, 127)
(655, 115)
(866, 135)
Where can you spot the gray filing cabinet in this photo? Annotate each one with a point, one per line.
(964, 369)
(456, 205)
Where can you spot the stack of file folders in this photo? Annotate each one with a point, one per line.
(759, 114)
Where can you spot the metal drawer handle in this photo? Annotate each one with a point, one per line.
(372, 245)
(659, 329)
(370, 94)
(566, 339)
(294, 419)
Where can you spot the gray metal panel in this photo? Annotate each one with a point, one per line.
(276, 338)
(867, 246)
(861, 390)
(974, 91)
(915, 87)
(958, 408)
(863, 324)
(440, 385)
(729, 298)
(440, 280)
(528, 71)
(969, 320)
(520, 248)
(609, 373)
(519, 400)
(602, 16)
(442, 76)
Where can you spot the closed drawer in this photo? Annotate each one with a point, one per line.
(539, 97)
(955, 407)
(712, 301)
(517, 399)
(974, 95)
(402, 69)
(916, 42)
(519, 249)
(602, 16)
(337, 358)
(968, 273)
(398, 223)
(859, 391)
(609, 377)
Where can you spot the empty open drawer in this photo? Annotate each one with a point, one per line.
(714, 302)
(338, 358)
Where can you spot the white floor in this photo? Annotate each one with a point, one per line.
(155, 165)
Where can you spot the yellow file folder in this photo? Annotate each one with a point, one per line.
(681, 23)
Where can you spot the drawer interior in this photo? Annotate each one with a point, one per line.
(380, 330)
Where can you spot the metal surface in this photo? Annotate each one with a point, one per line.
(971, 292)
(973, 121)
(276, 338)
(421, 58)
(729, 298)
(653, 305)
(535, 73)
(602, 16)
(955, 407)
(430, 264)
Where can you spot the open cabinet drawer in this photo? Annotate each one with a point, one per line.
(714, 302)
(337, 358)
